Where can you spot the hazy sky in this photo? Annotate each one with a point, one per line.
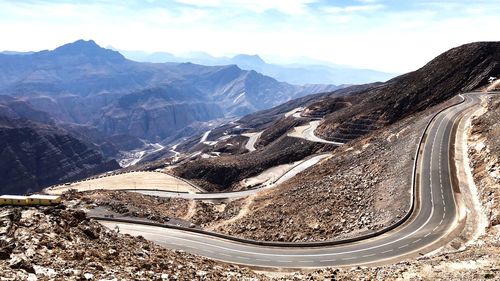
(389, 35)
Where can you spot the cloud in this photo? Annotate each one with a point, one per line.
(352, 9)
(389, 35)
(290, 7)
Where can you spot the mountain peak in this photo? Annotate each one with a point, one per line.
(248, 59)
(88, 48)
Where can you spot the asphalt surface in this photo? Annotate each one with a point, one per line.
(309, 134)
(433, 221)
(252, 139)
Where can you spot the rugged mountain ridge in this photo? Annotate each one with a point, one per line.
(83, 83)
(304, 72)
(458, 70)
(350, 113)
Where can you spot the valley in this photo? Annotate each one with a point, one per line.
(356, 181)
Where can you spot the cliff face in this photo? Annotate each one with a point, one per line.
(156, 113)
(33, 156)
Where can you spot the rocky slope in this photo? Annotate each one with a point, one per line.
(54, 243)
(484, 150)
(223, 172)
(35, 155)
(458, 70)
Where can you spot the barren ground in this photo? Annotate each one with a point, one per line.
(132, 180)
(53, 243)
(364, 186)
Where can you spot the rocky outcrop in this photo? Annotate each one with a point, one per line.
(58, 243)
(33, 156)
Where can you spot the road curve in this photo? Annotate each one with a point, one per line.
(309, 134)
(238, 194)
(433, 220)
(252, 139)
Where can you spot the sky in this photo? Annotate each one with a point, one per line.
(388, 35)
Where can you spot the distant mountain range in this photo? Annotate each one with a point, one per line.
(65, 113)
(310, 72)
(83, 83)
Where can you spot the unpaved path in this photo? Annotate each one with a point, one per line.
(191, 210)
(245, 209)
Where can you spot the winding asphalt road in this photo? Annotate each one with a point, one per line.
(309, 134)
(433, 220)
(252, 139)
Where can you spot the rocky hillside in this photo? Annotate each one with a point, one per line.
(35, 155)
(350, 113)
(62, 244)
(458, 70)
(85, 84)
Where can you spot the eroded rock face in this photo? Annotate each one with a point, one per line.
(33, 156)
(156, 113)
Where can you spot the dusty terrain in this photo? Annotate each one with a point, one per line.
(223, 173)
(175, 211)
(132, 180)
(342, 196)
(62, 244)
(477, 259)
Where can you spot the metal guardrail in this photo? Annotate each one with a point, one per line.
(317, 243)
